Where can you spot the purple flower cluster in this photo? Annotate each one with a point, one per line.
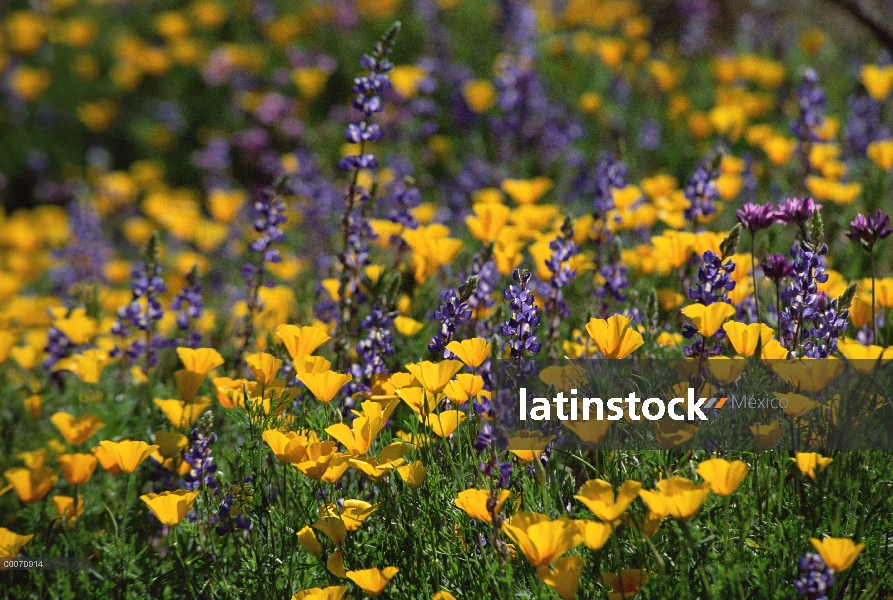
(228, 524)
(563, 249)
(864, 124)
(452, 312)
(147, 286)
(616, 281)
(815, 577)
(377, 344)
(701, 191)
(870, 230)
(519, 329)
(694, 35)
(82, 259)
(484, 269)
(190, 307)
(807, 317)
(795, 211)
(610, 174)
(201, 462)
(714, 280)
(756, 217)
(811, 104)
(776, 267)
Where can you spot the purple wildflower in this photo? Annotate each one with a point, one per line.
(815, 577)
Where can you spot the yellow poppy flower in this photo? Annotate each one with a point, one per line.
(676, 497)
(839, 554)
(373, 581)
(11, 542)
(595, 533)
(407, 326)
(563, 577)
(722, 476)
(708, 319)
(626, 584)
(413, 474)
(744, 337)
(76, 430)
(526, 191)
(79, 328)
(333, 528)
(287, 447)
(878, 81)
(473, 352)
(479, 94)
(444, 423)
(474, 503)
(302, 340)
(598, 496)
(592, 431)
(87, 365)
(540, 539)
(726, 369)
(335, 564)
(264, 367)
(359, 437)
(64, 506)
(304, 363)
(170, 443)
(31, 485)
(128, 454)
(308, 540)
(674, 246)
(170, 507)
(809, 462)
(528, 445)
(773, 352)
(434, 376)
(881, 154)
(333, 592)
(106, 459)
(488, 220)
(188, 383)
(324, 386)
(183, 414)
(200, 360)
(767, 435)
(77, 469)
(864, 359)
(613, 337)
(353, 513)
(809, 375)
(463, 387)
(317, 459)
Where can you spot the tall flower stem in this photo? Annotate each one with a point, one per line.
(753, 273)
(873, 301)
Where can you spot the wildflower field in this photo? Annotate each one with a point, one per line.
(294, 298)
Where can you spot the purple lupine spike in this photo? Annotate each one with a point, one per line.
(815, 578)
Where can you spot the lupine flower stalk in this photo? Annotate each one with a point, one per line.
(452, 312)
(815, 578)
(367, 99)
(146, 287)
(561, 275)
(190, 307)
(269, 211)
(518, 331)
(701, 191)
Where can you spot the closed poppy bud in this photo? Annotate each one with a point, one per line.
(308, 540)
(34, 406)
(77, 468)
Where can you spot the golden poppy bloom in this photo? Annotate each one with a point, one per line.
(353, 513)
(444, 423)
(722, 476)
(434, 376)
(183, 414)
(810, 462)
(31, 485)
(333, 592)
(365, 427)
(302, 340)
(744, 337)
(474, 503)
(726, 369)
(526, 191)
(76, 430)
(864, 359)
(307, 538)
(391, 457)
(595, 533)
(170, 507)
(188, 383)
(708, 319)
(11, 542)
(64, 506)
(563, 577)
(407, 326)
(767, 435)
(77, 469)
(333, 528)
(317, 459)
(324, 386)
(676, 497)
(373, 581)
(473, 352)
(127, 454)
(881, 154)
(838, 553)
(626, 584)
(200, 360)
(264, 367)
(613, 337)
(540, 539)
(413, 474)
(78, 327)
(592, 431)
(809, 375)
(528, 445)
(878, 81)
(479, 94)
(599, 497)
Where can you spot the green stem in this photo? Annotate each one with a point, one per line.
(753, 272)
(873, 321)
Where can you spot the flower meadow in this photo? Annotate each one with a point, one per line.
(271, 274)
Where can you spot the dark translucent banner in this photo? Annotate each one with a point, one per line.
(741, 404)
